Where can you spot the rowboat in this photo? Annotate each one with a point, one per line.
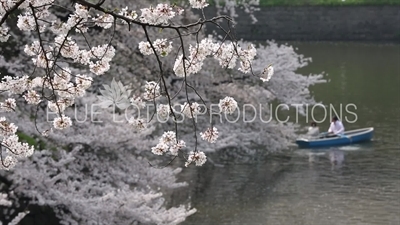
(349, 137)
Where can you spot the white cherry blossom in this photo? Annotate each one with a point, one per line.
(100, 67)
(26, 22)
(199, 158)
(130, 14)
(163, 111)
(162, 46)
(8, 105)
(198, 4)
(6, 128)
(227, 105)
(161, 14)
(152, 90)
(4, 33)
(168, 138)
(145, 48)
(81, 11)
(159, 149)
(61, 52)
(60, 105)
(138, 102)
(83, 81)
(105, 21)
(32, 97)
(246, 57)
(210, 135)
(69, 48)
(138, 124)
(191, 111)
(62, 122)
(267, 73)
(33, 49)
(174, 149)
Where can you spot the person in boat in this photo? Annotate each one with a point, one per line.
(336, 127)
(313, 130)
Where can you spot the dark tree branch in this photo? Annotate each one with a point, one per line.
(10, 11)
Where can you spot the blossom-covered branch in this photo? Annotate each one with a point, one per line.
(57, 49)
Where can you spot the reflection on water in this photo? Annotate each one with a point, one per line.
(336, 157)
(345, 187)
(349, 185)
(332, 187)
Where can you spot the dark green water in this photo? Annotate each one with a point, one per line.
(307, 187)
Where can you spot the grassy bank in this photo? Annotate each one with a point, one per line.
(327, 2)
(320, 2)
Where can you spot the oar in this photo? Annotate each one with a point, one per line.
(344, 136)
(323, 134)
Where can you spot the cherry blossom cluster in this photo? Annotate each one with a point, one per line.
(45, 54)
(161, 14)
(152, 91)
(161, 46)
(267, 73)
(227, 105)
(62, 122)
(8, 105)
(60, 82)
(198, 4)
(138, 124)
(138, 102)
(125, 12)
(55, 49)
(18, 85)
(12, 149)
(67, 89)
(168, 143)
(246, 57)
(4, 33)
(199, 158)
(191, 110)
(4, 200)
(163, 111)
(210, 135)
(227, 55)
(106, 20)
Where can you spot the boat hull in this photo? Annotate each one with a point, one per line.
(350, 137)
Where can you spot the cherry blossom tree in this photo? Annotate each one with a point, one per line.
(61, 58)
(99, 186)
(59, 45)
(5, 202)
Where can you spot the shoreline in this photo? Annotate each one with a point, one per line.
(377, 23)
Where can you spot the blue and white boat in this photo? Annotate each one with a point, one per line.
(349, 137)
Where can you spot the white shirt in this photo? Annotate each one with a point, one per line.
(336, 127)
(313, 131)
